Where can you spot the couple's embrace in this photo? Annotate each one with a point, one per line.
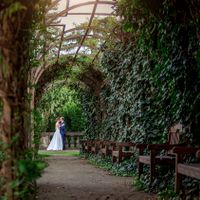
(58, 140)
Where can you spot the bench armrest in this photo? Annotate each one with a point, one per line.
(119, 145)
(125, 144)
(141, 146)
(198, 154)
(160, 146)
(185, 150)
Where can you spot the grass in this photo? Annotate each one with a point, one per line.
(58, 153)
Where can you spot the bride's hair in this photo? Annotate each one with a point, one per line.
(57, 119)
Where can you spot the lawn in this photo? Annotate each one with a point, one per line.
(59, 153)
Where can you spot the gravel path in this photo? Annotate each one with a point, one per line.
(72, 178)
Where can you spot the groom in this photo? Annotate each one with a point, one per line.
(63, 131)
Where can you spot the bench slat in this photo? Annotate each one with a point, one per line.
(192, 170)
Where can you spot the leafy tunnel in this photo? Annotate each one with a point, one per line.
(135, 65)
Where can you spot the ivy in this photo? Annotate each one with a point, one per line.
(151, 75)
(153, 82)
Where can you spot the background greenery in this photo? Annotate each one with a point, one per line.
(60, 100)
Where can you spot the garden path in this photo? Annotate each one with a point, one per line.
(73, 178)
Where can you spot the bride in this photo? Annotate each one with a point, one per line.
(56, 142)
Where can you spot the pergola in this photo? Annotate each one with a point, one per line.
(76, 11)
(18, 76)
(69, 37)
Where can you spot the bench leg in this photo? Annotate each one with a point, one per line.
(178, 177)
(140, 168)
(114, 159)
(152, 164)
(119, 159)
(120, 156)
(152, 171)
(178, 180)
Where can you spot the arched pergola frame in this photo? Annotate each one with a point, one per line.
(92, 77)
(64, 13)
(36, 74)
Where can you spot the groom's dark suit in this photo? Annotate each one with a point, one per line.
(63, 133)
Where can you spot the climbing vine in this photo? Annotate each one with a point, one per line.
(19, 165)
(153, 82)
(151, 75)
(148, 78)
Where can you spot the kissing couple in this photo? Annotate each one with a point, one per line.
(58, 140)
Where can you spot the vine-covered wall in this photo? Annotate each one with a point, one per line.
(152, 77)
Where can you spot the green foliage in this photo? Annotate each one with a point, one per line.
(90, 110)
(25, 167)
(12, 9)
(74, 117)
(28, 170)
(153, 82)
(152, 77)
(60, 101)
(125, 168)
(168, 194)
(39, 127)
(138, 184)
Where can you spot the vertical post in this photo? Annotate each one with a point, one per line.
(120, 153)
(178, 176)
(78, 141)
(140, 165)
(152, 163)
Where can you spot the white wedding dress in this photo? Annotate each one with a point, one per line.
(56, 142)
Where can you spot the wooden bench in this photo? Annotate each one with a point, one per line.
(154, 157)
(82, 146)
(187, 169)
(87, 145)
(122, 150)
(95, 146)
(106, 148)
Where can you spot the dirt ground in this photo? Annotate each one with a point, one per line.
(72, 178)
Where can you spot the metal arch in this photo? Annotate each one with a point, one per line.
(62, 39)
(76, 45)
(83, 28)
(65, 12)
(57, 45)
(42, 68)
(37, 75)
(80, 28)
(81, 53)
(69, 47)
(88, 27)
(85, 4)
(71, 37)
(87, 13)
